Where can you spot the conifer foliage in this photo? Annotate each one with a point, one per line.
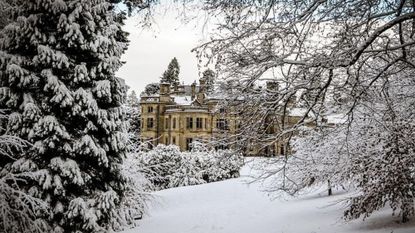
(209, 76)
(57, 65)
(171, 75)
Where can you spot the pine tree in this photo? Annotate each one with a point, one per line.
(209, 77)
(132, 99)
(152, 89)
(5, 7)
(133, 115)
(57, 65)
(171, 75)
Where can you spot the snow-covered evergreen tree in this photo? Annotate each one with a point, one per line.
(171, 75)
(209, 76)
(151, 89)
(57, 65)
(19, 211)
(132, 99)
(133, 113)
(5, 10)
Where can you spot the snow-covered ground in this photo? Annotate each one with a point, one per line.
(232, 206)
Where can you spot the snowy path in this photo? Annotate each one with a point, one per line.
(233, 207)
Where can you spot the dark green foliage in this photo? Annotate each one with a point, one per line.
(171, 75)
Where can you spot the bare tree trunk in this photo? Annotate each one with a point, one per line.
(329, 190)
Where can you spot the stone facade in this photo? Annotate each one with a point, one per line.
(185, 114)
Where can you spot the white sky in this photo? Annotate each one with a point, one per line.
(151, 50)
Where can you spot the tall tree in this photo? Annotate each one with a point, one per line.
(171, 75)
(5, 10)
(209, 76)
(133, 115)
(57, 65)
(332, 57)
(132, 99)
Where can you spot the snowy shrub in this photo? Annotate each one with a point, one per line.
(219, 165)
(160, 163)
(138, 187)
(167, 167)
(189, 171)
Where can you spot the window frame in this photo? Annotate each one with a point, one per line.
(189, 122)
(150, 123)
(199, 123)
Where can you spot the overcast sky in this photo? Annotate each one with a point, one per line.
(151, 50)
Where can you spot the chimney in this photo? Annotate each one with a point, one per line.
(164, 92)
(202, 88)
(201, 93)
(193, 90)
(164, 88)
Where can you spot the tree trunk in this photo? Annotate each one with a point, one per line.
(329, 190)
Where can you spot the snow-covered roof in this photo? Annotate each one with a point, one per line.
(297, 111)
(195, 110)
(336, 118)
(174, 110)
(183, 100)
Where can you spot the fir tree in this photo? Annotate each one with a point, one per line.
(57, 65)
(132, 99)
(152, 89)
(209, 77)
(133, 115)
(171, 75)
(5, 7)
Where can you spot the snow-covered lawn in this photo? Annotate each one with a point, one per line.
(232, 206)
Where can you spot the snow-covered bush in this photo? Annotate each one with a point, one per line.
(189, 171)
(160, 163)
(137, 192)
(167, 167)
(219, 165)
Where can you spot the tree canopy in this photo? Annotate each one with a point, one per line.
(171, 75)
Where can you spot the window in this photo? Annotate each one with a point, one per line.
(150, 109)
(167, 123)
(189, 142)
(173, 140)
(222, 124)
(150, 123)
(199, 123)
(174, 123)
(189, 122)
(222, 110)
(166, 139)
(205, 123)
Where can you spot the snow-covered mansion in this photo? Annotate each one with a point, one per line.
(185, 113)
